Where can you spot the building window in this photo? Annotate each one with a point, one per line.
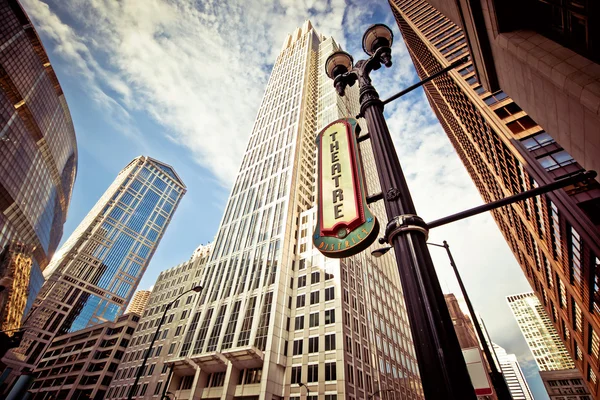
(315, 277)
(330, 342)
(329, 316)
(314, 320)
(577, 318)
(296, 375)
(563, 294)
(313, 373)
(591, 375)
(575, 257)
(350, 370)
(298, 344)
(594, 349)
(299, 322)
(537, 141)
(300, 300)
(556, 160)
(330, 372)
(329, 293)
(314, 297)
(144, 389)
(313, 344)
(302, 281)
(495, 98)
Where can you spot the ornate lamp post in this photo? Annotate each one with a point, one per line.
(140, 370)
(441, 364)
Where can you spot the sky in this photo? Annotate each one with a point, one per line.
(181, 81)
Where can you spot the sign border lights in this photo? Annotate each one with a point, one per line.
(345, 225)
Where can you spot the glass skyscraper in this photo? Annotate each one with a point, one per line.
(93, 276)
(38, 154)
(274, 312)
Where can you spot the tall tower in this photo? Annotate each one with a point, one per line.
(38, 157)
(138, 302)
(515, 379)
(274, 312)
(93, 276)
(542, 338)
(554, 237)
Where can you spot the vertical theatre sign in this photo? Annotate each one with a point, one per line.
(345, 226)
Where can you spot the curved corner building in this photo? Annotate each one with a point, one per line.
(38, 158)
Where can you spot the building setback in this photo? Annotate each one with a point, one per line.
(274, 312)
(169, 284)
(515, 379)
(81, 364)
(93, 276)
(38, 150)
(554, 237)
(138, 302)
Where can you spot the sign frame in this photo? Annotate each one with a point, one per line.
(345, 235)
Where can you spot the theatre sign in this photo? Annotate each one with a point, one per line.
(345, 226)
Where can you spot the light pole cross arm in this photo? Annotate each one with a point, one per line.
(559, 184)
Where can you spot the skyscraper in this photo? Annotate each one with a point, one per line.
(554, 237)
(93, 276)
(517, 385)
(38, 150)
(274, 312)
(542, 338)
(138, 302)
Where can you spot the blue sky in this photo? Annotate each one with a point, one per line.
(182, 81)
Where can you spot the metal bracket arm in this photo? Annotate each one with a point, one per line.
(404, 223)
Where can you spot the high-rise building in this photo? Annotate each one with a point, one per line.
(169, 284)
(93, 276)
(554, 237)
(138, 302)
(38, 150)
(81, 364)
(274, 312)
(542, 338)
(565, 384)
(15, 268)
(515, 379)
(467, 337)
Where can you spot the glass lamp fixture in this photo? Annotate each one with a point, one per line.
(377, 36)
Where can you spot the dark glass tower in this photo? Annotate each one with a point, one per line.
(38, 151)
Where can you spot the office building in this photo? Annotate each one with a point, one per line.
(542, 338)
(513, 375)
(38, 149)
(565, 384)
(15, 269)
(169, 284)
(93, 276)
(554, 237)
(81, 364)
(274, 312)
(467, 337)
(138, 302)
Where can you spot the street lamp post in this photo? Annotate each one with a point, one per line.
(305, 387)
(140, 370)
(442, 367)
(497, 378)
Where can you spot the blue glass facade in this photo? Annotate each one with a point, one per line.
(95, 273)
